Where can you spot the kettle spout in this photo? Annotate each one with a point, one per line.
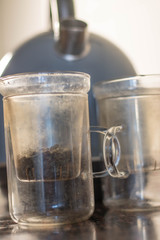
(73, 41)
(70, 34)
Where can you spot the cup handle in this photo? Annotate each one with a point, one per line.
(111, 153)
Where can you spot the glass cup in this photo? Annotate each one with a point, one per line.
(133, 103)
(47, 136)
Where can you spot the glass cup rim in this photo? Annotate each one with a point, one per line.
(45, 82)
(15, 76)
(125, 79)
(148, 84)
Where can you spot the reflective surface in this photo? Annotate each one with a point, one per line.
(102, 225)
(123, 225)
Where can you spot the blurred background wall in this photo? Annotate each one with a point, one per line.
(133, 25)
(20, 20)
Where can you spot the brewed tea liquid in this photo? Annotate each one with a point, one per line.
(61, 201)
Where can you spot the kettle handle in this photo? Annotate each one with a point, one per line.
(111, 153)
(59, 10)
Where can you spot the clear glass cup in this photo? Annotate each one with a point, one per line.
(47, 137)
(133, 103)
